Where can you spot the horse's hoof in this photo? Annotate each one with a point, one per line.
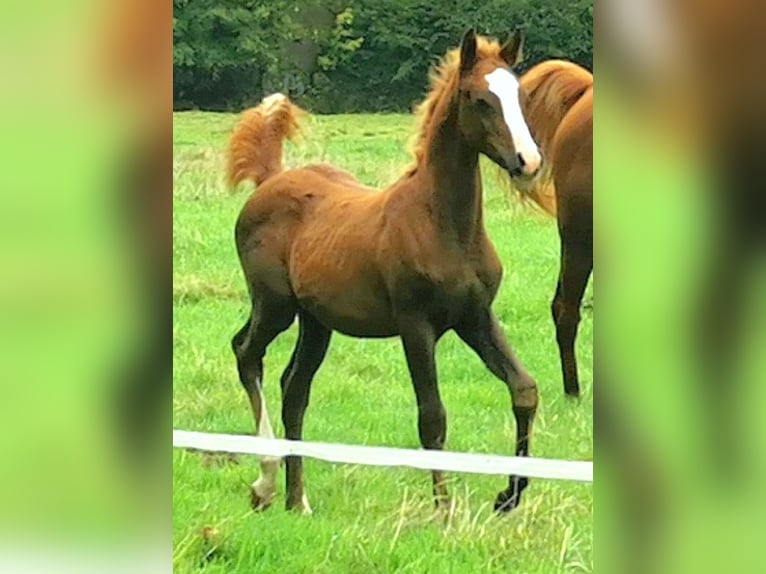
(261, 495)
(259, 503)
(443, 504)
(510, 498)
(301, 507)
(572, 393)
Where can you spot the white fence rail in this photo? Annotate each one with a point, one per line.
(382, 456)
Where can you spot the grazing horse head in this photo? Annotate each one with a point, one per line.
(490, 105)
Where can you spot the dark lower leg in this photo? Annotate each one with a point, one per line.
(294, 407)
(307, 357)
(432, 428)
(419, 342)
(566, 331)
(510, 498)
(486, 338)
(576, 265)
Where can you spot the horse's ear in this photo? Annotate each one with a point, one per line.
(513, 49)
(468, 52)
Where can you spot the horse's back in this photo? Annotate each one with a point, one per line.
(338, 175)
(284, 198)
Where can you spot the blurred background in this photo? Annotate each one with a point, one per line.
(85, 331)
(680, 244)
(85, 221)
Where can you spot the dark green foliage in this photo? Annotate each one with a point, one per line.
(349, 55)
(224, 50)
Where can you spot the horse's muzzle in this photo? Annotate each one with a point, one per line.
(521, 166)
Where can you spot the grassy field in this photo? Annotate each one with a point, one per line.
(366, 519)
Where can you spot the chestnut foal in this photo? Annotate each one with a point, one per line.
(412, 261)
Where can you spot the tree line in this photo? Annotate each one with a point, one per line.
(336, 56)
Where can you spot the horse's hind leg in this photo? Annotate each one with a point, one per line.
(576, 266)
(268, 319)
(310, 350)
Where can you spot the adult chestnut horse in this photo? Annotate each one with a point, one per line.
(558, 107)
(412, 261)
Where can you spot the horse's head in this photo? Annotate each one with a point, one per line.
(490, 111)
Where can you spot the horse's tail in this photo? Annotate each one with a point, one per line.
(255, 146)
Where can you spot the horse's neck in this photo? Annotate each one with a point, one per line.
(452, 169)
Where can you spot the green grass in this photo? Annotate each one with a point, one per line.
(366, 519)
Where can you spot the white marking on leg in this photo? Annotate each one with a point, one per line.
(505, 86)
(266, 485)
(264, 425)
(305, 508)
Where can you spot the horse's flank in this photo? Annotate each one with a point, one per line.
(552, 88)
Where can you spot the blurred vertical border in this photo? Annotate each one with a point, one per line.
(680, 134)
(85, 314)
(85, 251)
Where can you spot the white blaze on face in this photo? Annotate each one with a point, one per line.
(506, 87)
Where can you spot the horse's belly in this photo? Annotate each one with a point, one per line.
(352, 313)
(367, 326)
(350, 299)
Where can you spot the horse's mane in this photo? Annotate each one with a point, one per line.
(552, 88)
(443, 80)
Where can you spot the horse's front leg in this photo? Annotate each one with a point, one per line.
(483, 334)
(419, 342)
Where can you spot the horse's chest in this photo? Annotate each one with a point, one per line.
(446, 292)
